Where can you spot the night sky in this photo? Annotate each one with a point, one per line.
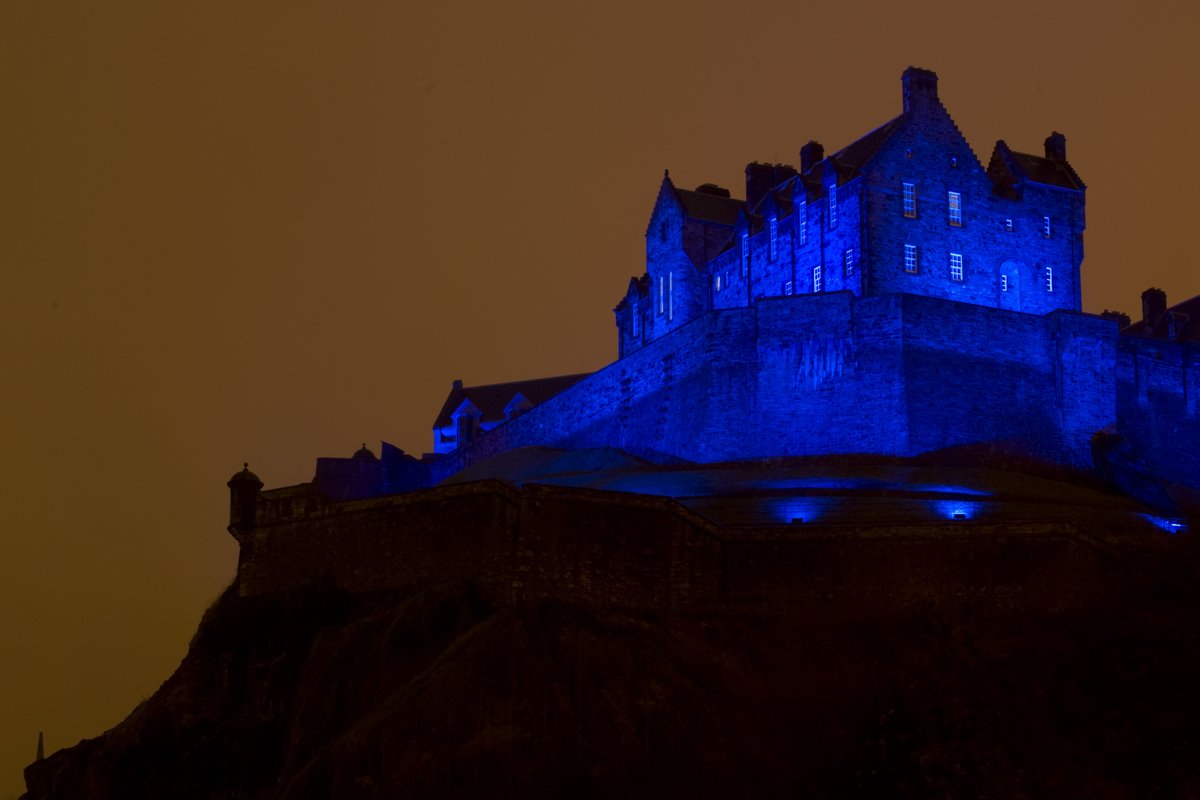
(269, 232)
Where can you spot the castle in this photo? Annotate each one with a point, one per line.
(895, 297)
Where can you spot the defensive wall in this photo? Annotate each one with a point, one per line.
(609, 549)
(834, 373)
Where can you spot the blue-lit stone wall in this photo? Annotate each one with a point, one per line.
(831, 373)
(1158, 399)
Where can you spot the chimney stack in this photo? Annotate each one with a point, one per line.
(762, 178)
(811, 155)
(1154, 305)
(920, 88)
(1056, 147)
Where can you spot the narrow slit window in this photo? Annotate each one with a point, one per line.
(745, 252)
(670, 296)
(956, 267)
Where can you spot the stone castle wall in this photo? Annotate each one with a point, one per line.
(833, 373)
(1158, 400)
(608, 549)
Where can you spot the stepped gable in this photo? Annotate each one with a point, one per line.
(491, 399)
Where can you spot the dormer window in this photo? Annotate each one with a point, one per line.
(833, 206)
(954, 200)
(910, 200)
(745, 252)
(802, 222)
(773, 228)
(637, 321)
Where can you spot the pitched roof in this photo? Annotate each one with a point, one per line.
(709, 207)
(1027, 167)
(492, 398)
(1187, 323)
(851, 158)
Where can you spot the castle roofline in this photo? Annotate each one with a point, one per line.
(492, 398)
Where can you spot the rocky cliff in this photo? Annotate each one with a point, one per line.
(431, 692)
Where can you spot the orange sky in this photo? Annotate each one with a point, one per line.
(273, 231)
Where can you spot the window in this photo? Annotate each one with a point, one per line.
(787, 288)
(717, 283)
(955, 200)
(670, 295)
(774, 234)
(745, 252)
(1004, 283)
(662, 298)
(1172, 327)
(910, 259)
(956, 267)
(833, 206)
(1008, 226)
(802, 223)
(850, 262)
(954, 161)
(910, 200)
(1046, 227)
(637, 321)
(816, 279)
(1049, 279)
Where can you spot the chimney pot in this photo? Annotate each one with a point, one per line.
(810, 155)
(1154, 305)
(1056, 147)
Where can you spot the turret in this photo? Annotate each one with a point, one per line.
(243, 501)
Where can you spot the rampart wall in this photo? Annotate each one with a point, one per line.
(833, 373)
(608, 549)
(1158, 400)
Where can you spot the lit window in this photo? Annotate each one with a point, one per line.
(956, 267)
(1049, 279)
(787, 288)
(661, 295)
(954, 161)
(745, 252)
(717, 282)
(802, 223)
(670, 295)
(955, 208)
(1008, 226)
(774, 228)
(816, 279)
(850, 262)
(910, 259)
(1046, 227)
(1004, 283)
(910, 200)
(833, 206)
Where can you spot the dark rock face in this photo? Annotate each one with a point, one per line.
(431, 693)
